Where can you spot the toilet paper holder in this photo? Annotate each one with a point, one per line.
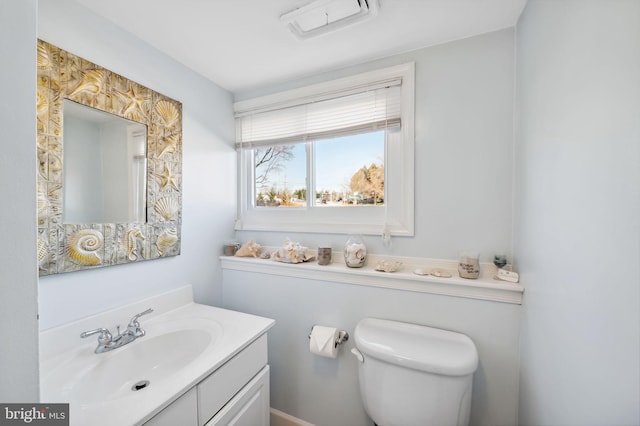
(343, 336)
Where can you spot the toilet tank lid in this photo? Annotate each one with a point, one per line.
(416, 346)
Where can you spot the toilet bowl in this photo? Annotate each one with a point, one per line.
(414, 375)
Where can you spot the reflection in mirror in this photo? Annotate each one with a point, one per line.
(104, 167)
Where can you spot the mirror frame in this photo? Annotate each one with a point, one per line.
(73, 247)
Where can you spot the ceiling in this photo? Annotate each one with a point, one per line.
(242, 45)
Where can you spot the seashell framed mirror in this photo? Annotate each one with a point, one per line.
(72, 233)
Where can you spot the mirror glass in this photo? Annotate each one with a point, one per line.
(104, 167)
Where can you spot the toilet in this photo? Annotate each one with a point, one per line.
(414, 375)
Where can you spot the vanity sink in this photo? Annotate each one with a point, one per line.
(166, 350)
(181, 347)
(144, 363)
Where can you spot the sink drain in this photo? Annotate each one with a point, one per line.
(140, 385)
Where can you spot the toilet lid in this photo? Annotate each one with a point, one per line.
(416, 346)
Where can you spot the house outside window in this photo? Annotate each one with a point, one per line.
(335, 157)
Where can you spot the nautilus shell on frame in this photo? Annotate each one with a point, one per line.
(84, 247)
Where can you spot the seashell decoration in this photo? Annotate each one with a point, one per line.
(388, 266)
(249, 249)
(43, 251)
(134, 102)
(44, 204)
(168, 112)
(167, 207)
(170, 145)
(131, 241)
(166, 240)
(64, 247)
(43, 59)
(292, 253)
(42, 104)
(84, 245)
(91, 83)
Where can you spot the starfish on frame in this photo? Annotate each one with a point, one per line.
(134, 102)
(167, 178)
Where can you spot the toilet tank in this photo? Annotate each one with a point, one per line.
(414, 375)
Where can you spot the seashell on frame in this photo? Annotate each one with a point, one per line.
(167, 112)
(43, 59)
(84, 246)
(92, 82)
(43, 251)
(170, 145)
(167, 207)
(166, 240)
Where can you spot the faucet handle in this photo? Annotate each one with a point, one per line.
(104, 337)
(134, 324)
(134, 320)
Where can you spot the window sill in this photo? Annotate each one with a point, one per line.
(484, 288)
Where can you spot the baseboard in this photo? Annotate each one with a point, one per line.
(278, 418)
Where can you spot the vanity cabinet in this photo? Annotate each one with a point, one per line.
(182, 411)
(250, 407)
(237, 393)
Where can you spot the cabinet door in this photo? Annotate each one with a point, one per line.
(183, 412)
(219, 388)
(250, 407)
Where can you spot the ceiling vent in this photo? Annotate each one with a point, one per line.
(323, 16)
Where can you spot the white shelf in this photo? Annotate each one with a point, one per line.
(484, 288)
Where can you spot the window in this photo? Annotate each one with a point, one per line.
(332, 157)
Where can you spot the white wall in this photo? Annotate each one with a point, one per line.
(208, 170)
(578, 211)
(464, 140)
(463, 153)
(18, 270)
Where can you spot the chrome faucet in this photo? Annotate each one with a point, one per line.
(106, 341)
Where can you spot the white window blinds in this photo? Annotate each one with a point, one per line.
(324, 116)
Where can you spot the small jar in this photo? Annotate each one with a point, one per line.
(355, 252)
(469, 266)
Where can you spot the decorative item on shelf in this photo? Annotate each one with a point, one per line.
(249, 249)
(469, 266)
(507, 275)
(292, 253)
(355, 252)
(388, 266)
(440, 273)
(324, 255)
(230, 248)
(500, 260)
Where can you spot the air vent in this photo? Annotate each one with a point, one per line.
(323, 16)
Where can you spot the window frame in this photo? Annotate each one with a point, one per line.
(396, 216)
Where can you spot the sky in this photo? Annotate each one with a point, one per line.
(337, 160)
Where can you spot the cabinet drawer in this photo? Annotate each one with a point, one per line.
(180, 412)
(250, 406)
(217, 389)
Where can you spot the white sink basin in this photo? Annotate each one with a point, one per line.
(149, 361)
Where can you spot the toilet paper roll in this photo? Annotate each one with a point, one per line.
(322, 341)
